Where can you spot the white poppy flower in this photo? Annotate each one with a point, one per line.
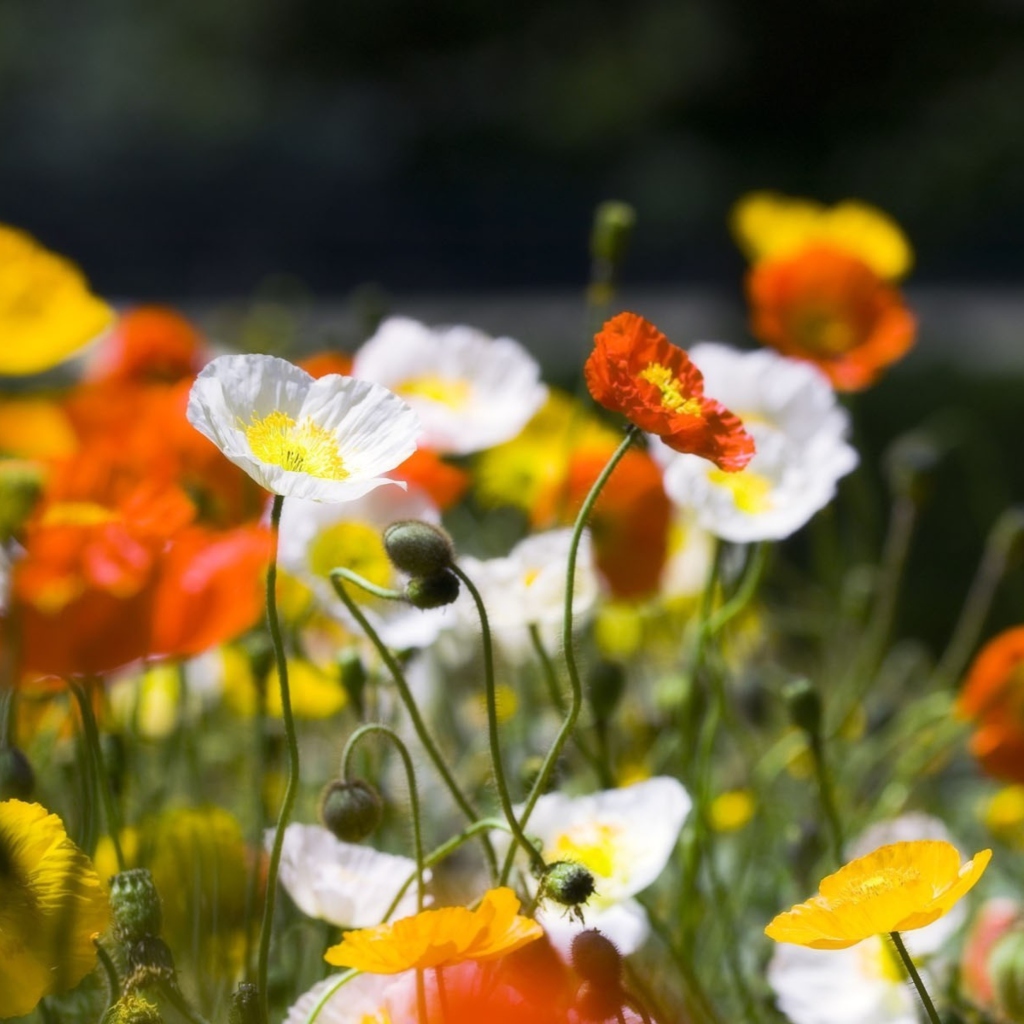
(624, 837)
(864, 984)
(342, 883)
(316, 538)
(366, 997)
(800, 432)
(471, 391)
(328, 440)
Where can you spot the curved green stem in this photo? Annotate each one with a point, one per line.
(915, 977)
(337, 575)
(292, 787)
(410, 778)
(753, 572)
(325, 998)
(500, 782)
(113, 982)
(95, 755)
(576, 687)
(371, 588)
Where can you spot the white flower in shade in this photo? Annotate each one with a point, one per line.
(342, 883)
(471, 391)
(365, 999)
(624, 837)
(800, 432)
(328, 440)
(864, 984)
(316, 538)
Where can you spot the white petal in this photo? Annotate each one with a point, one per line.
(625, 924)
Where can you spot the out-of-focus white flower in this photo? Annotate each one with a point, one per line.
(471, 391)
(624, 837)
(327, 440)
(364, 998)
(863, 984)
(316, 538)
(691, 550)
(799, 429)
(342, 883)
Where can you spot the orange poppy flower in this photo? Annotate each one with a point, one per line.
(896, 888)
(320, 364)
(439, 938)
(829, 307)
(636, 371)
(150, 344)
(444, 483)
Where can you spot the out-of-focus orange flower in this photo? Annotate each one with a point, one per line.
(150, 344)
(634, 370)
(439, 938)
(442, 482)
(992, 696)
(320, 364)
(829, 307)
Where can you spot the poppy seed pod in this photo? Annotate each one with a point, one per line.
(417, 548)
(569, 883)
(432, 591)
(136, 905)
(596, 959)
(351, 810)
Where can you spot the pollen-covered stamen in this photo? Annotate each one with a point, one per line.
(751, 492)
(672, 396)
(448, 391)
(304, 447)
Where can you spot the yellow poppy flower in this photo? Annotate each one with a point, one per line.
(47, 312)
(438, 938)
(51, 904)
(896, 888)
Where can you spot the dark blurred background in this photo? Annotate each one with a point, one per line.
(188, 149)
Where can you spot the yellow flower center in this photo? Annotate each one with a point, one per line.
(77, 513)
(304, 447)
(592, 844)
(821, 331)
(672, 396)
(355, 546)
(444, 390)
(751, 492)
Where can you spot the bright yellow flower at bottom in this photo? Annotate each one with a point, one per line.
(896, 888)
(51, 904)
(438, 938)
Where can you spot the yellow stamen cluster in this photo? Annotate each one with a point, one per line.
(444, 390)
(592, 844)
(750, 491)
(672, 396)
(304, 447)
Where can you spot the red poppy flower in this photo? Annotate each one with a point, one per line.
(635, 370)
(150, 344)
(829, 307)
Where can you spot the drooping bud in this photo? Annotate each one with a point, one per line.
(132, 1009)
(150, 962)
(17, 779)
(610, 234)
(245, 1005)
(606, 683)
(418, 548)
(135, 903)
(596, 959)
(432, 591)
(568, 883)
(596, 1004)
(804, 705)
(351, 810)
(1006, 968)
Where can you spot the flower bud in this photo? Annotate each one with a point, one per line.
(569, 883)
(418, 548)
(1006, 967)
(432, 591)
(17, 779)
(351, 810)
(596, 959)
(132, 1009)
(245, 1005)
(606, 682)
(597, 1003)
(609, 236)
(135, 903)
(804, 706)
(150, 962)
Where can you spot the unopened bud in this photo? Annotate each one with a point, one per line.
(418, 548)
(606, 682)
(613, 226)
(804, 706)
(17, 779)
(569, 883)
(1006, 968)
(245, 1005)
(596, 1004)
(150, 962)
(351, 810)
(132, 1009)
(432, 591)
(135, 903)
(596, 959)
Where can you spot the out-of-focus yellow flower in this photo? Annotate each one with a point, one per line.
(732, 810)
(35, 428)
(767, 225)
(47, 312)
(1004, 815)
(51, 904)
(105, 857)
(896, 888)
(315, 692)
(439, 938)
(618, 629)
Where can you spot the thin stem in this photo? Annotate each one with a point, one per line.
(410, 778)
(326, 997)
(414, 713)
(95, 755)
(828, 798)
(752, 574)
(291, 789)
(493, 736)
(371, 588)
(6, 716)
(113, 982)
(915, 977)
(259, 774)
(576, 687)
